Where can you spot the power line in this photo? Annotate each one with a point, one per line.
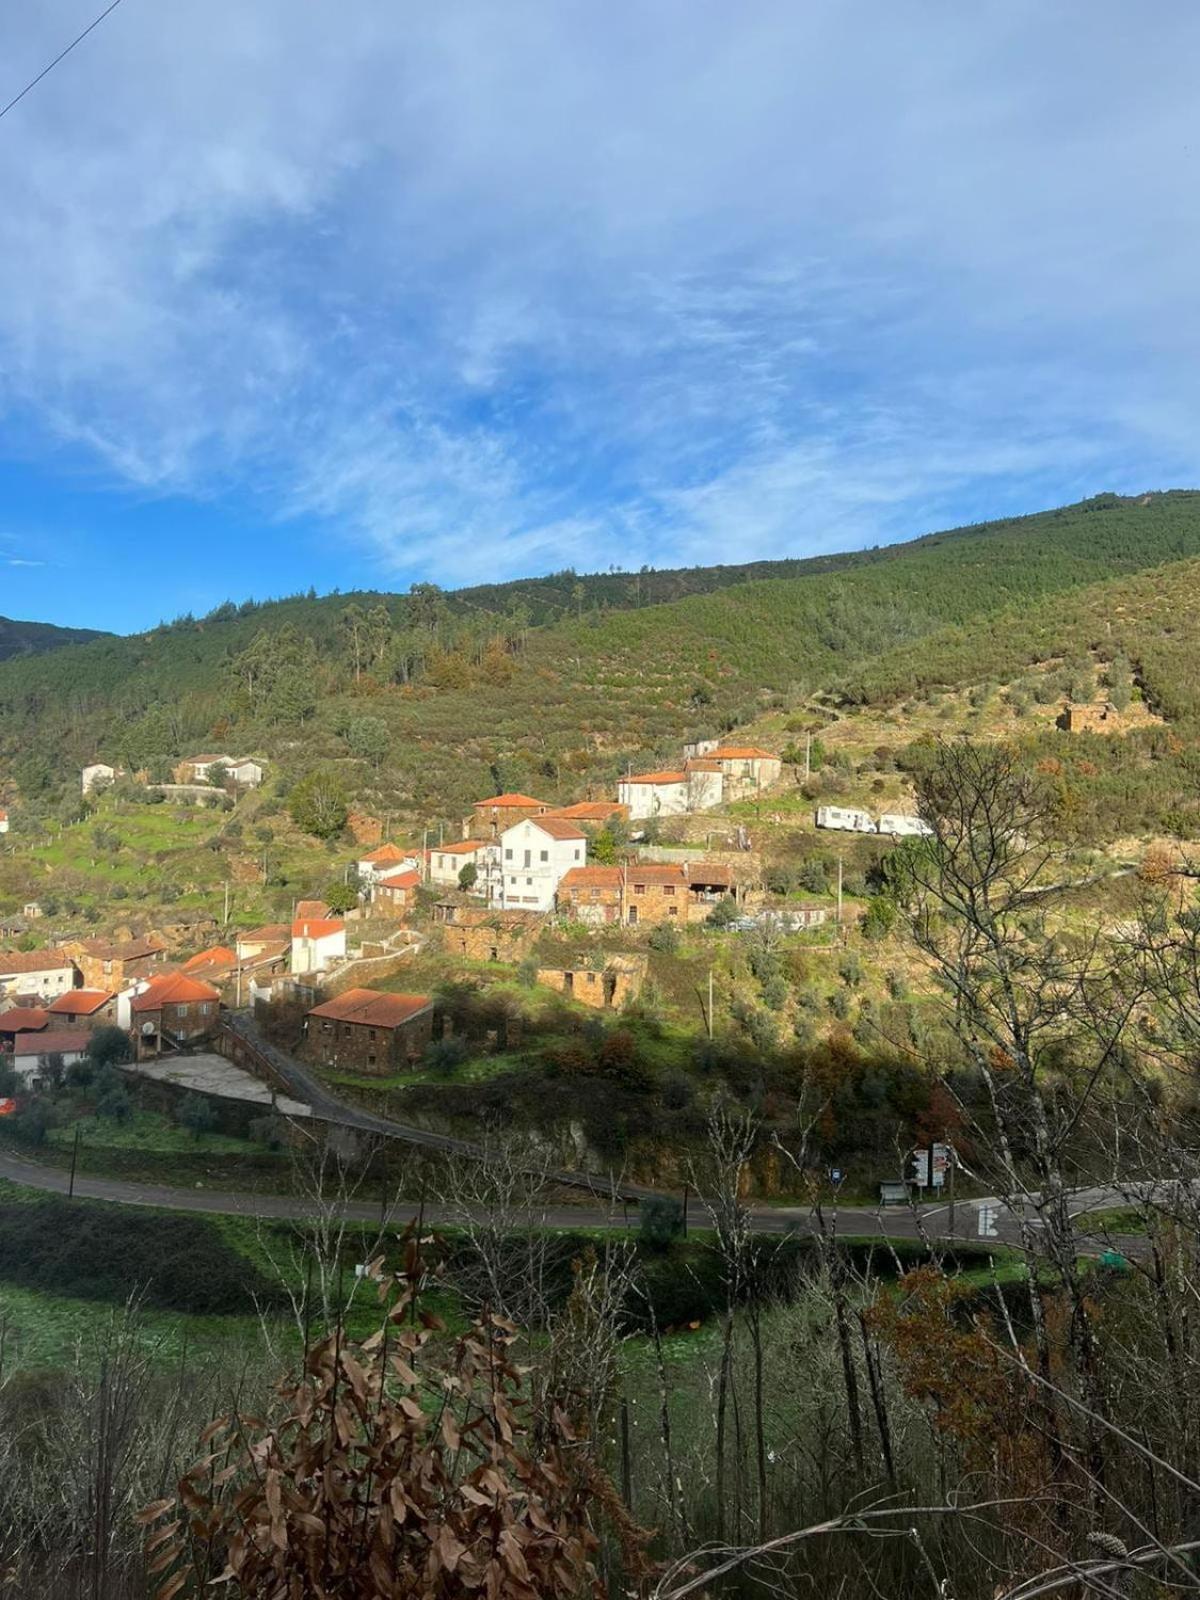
(62, 54)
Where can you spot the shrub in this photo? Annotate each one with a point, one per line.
(176, 1263)
(109, 1047)
(197, 1114)
(664, 939)
(443, 1055)
(660, 1220)
(723, 913)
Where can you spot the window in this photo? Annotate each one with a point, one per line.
(528, 858)
(508, 855)
(529, 883)
(668, 888)
(672, 911)
(544, 855)
(577, 855)
(639, 888)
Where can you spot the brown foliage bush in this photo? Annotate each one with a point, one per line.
(387, 1473)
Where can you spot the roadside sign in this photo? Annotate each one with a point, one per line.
(939, 1164)
(989, 1217)
(835, 1174)
(920, 1168)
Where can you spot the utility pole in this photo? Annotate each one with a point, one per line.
(839, 897)
(807, 756)
(710, 1002)
(74, 1159)
(225, 923)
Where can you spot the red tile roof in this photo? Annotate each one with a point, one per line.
(310, 908)
(23, 1019)
(269, 933)
(52, 1042)
(176, 989)
(33, 961)
(523, 801)
(588, 811)
(78, 1003)
(558, 829)
(401, 880)
(740, 752)
(591, 878)
(317, 927)
(459, 847)
(384, 854)
(656, 777)
(218, 956)
(372, 1007)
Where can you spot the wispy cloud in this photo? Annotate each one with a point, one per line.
(483, 290)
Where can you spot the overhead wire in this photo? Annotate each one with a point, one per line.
(61, 56)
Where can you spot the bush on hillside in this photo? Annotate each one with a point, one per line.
(175, 1263)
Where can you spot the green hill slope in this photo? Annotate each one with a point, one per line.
(464, 695)
(33, 638)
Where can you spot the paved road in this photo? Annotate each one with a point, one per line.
(857, 1221)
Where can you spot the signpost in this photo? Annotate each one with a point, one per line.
(920, 1168)
(989, 1216)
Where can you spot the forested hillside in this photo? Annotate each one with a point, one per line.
(427, 699)
(32, 638)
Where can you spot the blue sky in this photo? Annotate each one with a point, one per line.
(348, 296)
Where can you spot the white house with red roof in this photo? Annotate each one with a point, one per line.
(446, 862)
(385, 859)
(318, 938)
(534, 855)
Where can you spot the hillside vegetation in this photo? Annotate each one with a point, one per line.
(33, 638)
(427, 700)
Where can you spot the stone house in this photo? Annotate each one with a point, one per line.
(83, 1008)
(1102, 718)
(746, 769)
(489, 818)
(113, 964)
(607, 988)
(473, 934)
(170, 1012)
(18, 1020)
(644, 894)
(368, 1030)
(396, 894)
(534, 855)
(591, 813)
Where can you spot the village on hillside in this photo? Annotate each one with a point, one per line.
(520, 864)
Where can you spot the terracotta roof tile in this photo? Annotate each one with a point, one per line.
(317, 927)
(78, 1003)
(740, 752)
(591, 878)
(516, 801)
(33, 961)
(372, 1008)
(384, 854)
(401, 880)
(176, 989)
(23, 1019)
(656, 777)
(558, 829)
(60, 1041)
